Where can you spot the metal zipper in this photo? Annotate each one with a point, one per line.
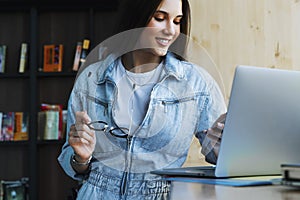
(123, 188)
(176, 101)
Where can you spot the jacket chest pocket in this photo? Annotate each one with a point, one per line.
(172, 114)
(97, 109)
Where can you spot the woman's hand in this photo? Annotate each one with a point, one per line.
(213, 136)
(81, 138)
(215, 133)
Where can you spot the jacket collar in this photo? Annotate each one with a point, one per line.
(172, 65)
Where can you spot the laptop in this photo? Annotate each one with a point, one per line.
(262, 126)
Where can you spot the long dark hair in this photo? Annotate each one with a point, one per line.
(138, 13)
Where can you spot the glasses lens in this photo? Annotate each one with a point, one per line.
(98, 125)
(119, 132)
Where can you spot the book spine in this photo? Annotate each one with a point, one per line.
(60, 49)
(1, 118)
(2, 58)
(51, 127)
(8, 126)
(85, 50)
(18, 121)
(59, 109)
(48, 57)
(77, 56)
(21, 126)
(23, 57)
(53, 58)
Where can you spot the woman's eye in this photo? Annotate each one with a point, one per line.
(177, 21)
(159, 19)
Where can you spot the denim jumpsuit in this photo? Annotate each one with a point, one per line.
(184, 103)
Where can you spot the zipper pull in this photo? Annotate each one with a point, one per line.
(165, 106)
(129, 140)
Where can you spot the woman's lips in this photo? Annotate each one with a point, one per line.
(163, 41)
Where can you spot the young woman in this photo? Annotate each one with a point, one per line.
(138, 109)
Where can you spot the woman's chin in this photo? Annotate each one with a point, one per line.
(160, 51)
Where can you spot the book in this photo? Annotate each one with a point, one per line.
(77, 56)
(14, 189)
(55, 107)
(1, 116)
(291, 171)
(23, 57)
(85, 51)
(53, 58)
(52, 125)
(2, 58)
(48, 125)
(64, 127)
(21, 126)
(8, 126)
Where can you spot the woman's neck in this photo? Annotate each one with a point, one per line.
(140, 61)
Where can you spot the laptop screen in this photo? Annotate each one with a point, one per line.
(262, 127)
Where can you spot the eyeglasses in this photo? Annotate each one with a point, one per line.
(119, 132)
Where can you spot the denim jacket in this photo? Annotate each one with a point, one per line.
(185, 102)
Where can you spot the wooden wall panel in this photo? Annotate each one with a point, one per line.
(252, 32)
(264, 33)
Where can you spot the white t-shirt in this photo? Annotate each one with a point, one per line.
(134, 90)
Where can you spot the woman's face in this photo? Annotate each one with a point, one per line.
(163, 28)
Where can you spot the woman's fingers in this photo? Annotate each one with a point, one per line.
(73, 131)
(82, 117)
(81, 134)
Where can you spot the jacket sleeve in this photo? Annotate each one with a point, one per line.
(64, 158)
(214, 108)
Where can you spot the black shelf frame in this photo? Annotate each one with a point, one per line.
(33, 101)
(33, 8)
(56, 74)
(14, 75)
(100, 5)
(14, 143)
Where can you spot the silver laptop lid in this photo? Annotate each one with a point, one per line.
(262, 128)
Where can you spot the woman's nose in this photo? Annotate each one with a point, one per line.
(170, 28)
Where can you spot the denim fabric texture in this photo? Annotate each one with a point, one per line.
(184, 103)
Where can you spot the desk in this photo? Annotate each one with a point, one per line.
(196, 191)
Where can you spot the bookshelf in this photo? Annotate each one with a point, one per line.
(39, 22)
